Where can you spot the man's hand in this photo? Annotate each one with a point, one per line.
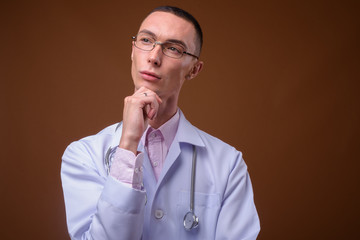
(138, 109)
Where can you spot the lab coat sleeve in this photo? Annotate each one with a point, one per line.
(98, 207)
(238, 218)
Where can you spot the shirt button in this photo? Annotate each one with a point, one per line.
(155, 164)
(159, 214)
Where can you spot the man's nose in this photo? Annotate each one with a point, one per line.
(155, 55)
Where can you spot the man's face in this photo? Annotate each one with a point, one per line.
(156, 71)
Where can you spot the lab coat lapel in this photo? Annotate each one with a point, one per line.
(187, 134)
(173, 154)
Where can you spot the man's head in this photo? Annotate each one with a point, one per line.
(187, 16)
(153, 64)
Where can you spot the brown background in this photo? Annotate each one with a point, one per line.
(280, 83)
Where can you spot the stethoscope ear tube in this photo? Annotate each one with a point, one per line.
(107, 159)
(190, 219)
(111, 150)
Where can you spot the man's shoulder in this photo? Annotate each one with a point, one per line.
(218, 151)
(212, 140)
(189, 131)
(109, 131)
(102, 138)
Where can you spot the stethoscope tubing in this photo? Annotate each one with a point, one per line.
(190, 219)
(193, 173)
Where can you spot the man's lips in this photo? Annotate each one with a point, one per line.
(150, 76)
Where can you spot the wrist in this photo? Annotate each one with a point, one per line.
(129, 145)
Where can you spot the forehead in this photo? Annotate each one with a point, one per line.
(167, 26)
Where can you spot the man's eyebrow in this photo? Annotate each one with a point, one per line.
(168, 40)
(147, 32)
(177, 42)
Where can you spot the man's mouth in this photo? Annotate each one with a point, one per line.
(150, 76)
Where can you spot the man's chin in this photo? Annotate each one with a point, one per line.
(156, 90)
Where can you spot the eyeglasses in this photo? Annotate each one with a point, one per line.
(147, 43)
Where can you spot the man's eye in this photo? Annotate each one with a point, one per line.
(145, 40)
(174, 49)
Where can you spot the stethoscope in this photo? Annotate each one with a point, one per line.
(190, 219)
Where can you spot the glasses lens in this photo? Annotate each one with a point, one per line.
(173, 50)
(147, 43)
(144, 42)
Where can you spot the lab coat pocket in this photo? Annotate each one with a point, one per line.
(206, 208)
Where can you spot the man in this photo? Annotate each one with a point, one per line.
(133, 180)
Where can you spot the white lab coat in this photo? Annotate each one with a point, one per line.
(99, 207)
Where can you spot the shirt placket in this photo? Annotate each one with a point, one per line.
(155, 139)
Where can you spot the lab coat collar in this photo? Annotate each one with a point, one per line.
(187, 133)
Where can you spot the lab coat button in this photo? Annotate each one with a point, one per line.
(159, 214)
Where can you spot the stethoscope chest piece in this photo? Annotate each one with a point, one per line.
(190, 221)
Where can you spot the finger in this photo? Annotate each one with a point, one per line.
(153, 108)
(147, 110)
(145, 92)
(149, 101)
(158, 98)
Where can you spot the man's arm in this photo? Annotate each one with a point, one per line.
(238, 218)
(98, 207)
(139, 108)
(101, 207)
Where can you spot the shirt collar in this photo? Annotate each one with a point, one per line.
(168, 130)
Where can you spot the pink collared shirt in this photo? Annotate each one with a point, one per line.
(127, 168)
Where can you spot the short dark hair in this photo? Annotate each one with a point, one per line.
(185, 15)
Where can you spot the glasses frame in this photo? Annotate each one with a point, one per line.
(162, 48)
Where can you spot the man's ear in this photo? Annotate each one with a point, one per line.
(196, 69)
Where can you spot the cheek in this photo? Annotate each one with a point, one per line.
(178, 77)
(180, 71)
(137, 56)
(135, 62)
(134, 67)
